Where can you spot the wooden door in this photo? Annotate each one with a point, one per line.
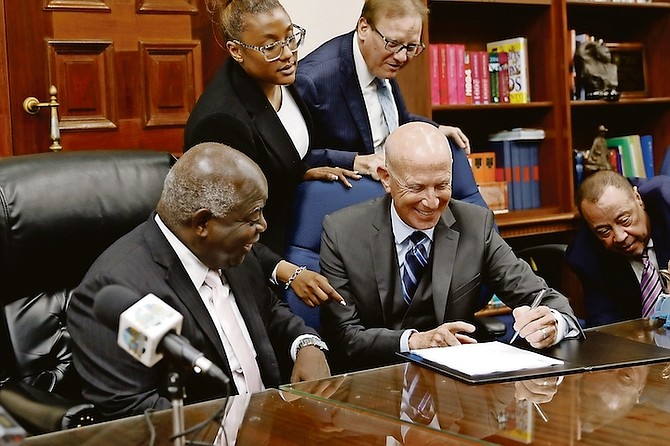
(127, 72)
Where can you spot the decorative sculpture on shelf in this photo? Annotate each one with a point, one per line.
(597, 157)
(596, 73)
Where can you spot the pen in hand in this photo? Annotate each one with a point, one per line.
(535, 304)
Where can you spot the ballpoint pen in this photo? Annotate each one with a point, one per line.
(535, 304)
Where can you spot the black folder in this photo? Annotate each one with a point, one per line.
(599, 351)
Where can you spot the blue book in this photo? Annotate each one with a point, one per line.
(535, 201)
(517, 184)
(503, 153)
(647, 144)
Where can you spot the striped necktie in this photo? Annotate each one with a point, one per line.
(386, 101)
(415, 262)
(650, 285)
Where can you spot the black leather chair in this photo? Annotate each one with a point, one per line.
(58, 212)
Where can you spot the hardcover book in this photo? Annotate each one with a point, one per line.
(517, 65)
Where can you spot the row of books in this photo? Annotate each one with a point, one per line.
(512, 162)
(630, 155)
(498, 74)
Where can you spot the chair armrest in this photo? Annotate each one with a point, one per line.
(39, 411)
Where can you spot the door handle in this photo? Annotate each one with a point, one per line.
(32, 106)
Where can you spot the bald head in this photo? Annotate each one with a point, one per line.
(417, 142)
(417, 173)
(209, 176)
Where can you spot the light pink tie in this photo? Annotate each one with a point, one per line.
(650, 286)
(231, 328)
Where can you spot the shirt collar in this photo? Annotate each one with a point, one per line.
(195, 269)
(365, 77)
(402, 230)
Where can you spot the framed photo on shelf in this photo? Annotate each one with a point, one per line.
(629, 58)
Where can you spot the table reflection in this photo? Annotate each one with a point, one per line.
(589, 407)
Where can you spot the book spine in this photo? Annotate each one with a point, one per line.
(615, 159)
(460, 73)
(484, 70)
(444, 78)
(434, 73)
(647, 143)
(503, 77)
(535, 199)
(476, 77)
(518, 187)
(452, 74)
(467, 80)
(637, 158)
(503, 170)
(494, 68)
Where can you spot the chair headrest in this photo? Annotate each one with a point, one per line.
(58, 212)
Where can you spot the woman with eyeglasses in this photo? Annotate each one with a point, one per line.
(252, 106)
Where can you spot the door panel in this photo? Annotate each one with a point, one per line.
(127, 72)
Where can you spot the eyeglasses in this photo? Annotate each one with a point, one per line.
(273, 51)
(413, 49)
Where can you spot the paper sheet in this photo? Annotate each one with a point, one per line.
(486, 357)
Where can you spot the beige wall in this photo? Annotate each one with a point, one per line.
(323, 19)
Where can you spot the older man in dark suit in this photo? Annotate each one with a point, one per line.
(624, 222)
(193, 253)
(412, 267)
(344, 82)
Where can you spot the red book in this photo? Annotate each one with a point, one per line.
(460, 73)
(467, 78)
(486, 82)
(434, 73)
(444, 77)
(476, 76)
(452, 73)
(503, 76)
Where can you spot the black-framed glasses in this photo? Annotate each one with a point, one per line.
(413, 49)
(273, 51)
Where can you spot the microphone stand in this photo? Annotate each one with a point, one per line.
(175, 389)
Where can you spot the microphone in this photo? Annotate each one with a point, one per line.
(148, 328)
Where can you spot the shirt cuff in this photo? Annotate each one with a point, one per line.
(404, 340)
(566, 327)
(273, 278)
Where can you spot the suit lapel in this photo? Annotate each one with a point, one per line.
(265, 120)
(383, 255)
(352, 93)
(178, 280)
(445, 244)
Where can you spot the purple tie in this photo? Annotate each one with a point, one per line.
(415, 262)
(650, 285)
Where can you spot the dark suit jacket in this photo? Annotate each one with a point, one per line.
(144, 261)
(360, 262)
(327, 82)
(611, 289)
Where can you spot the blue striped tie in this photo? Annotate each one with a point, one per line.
(415, 262)
(386, 101)
(650, 286)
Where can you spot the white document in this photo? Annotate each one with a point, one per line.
(486, 358)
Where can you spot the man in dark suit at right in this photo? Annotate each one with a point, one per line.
(624, 222)
(349, 86)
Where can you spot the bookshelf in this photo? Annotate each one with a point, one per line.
(568, 124)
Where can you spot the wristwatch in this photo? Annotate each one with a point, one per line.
(316, 342)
